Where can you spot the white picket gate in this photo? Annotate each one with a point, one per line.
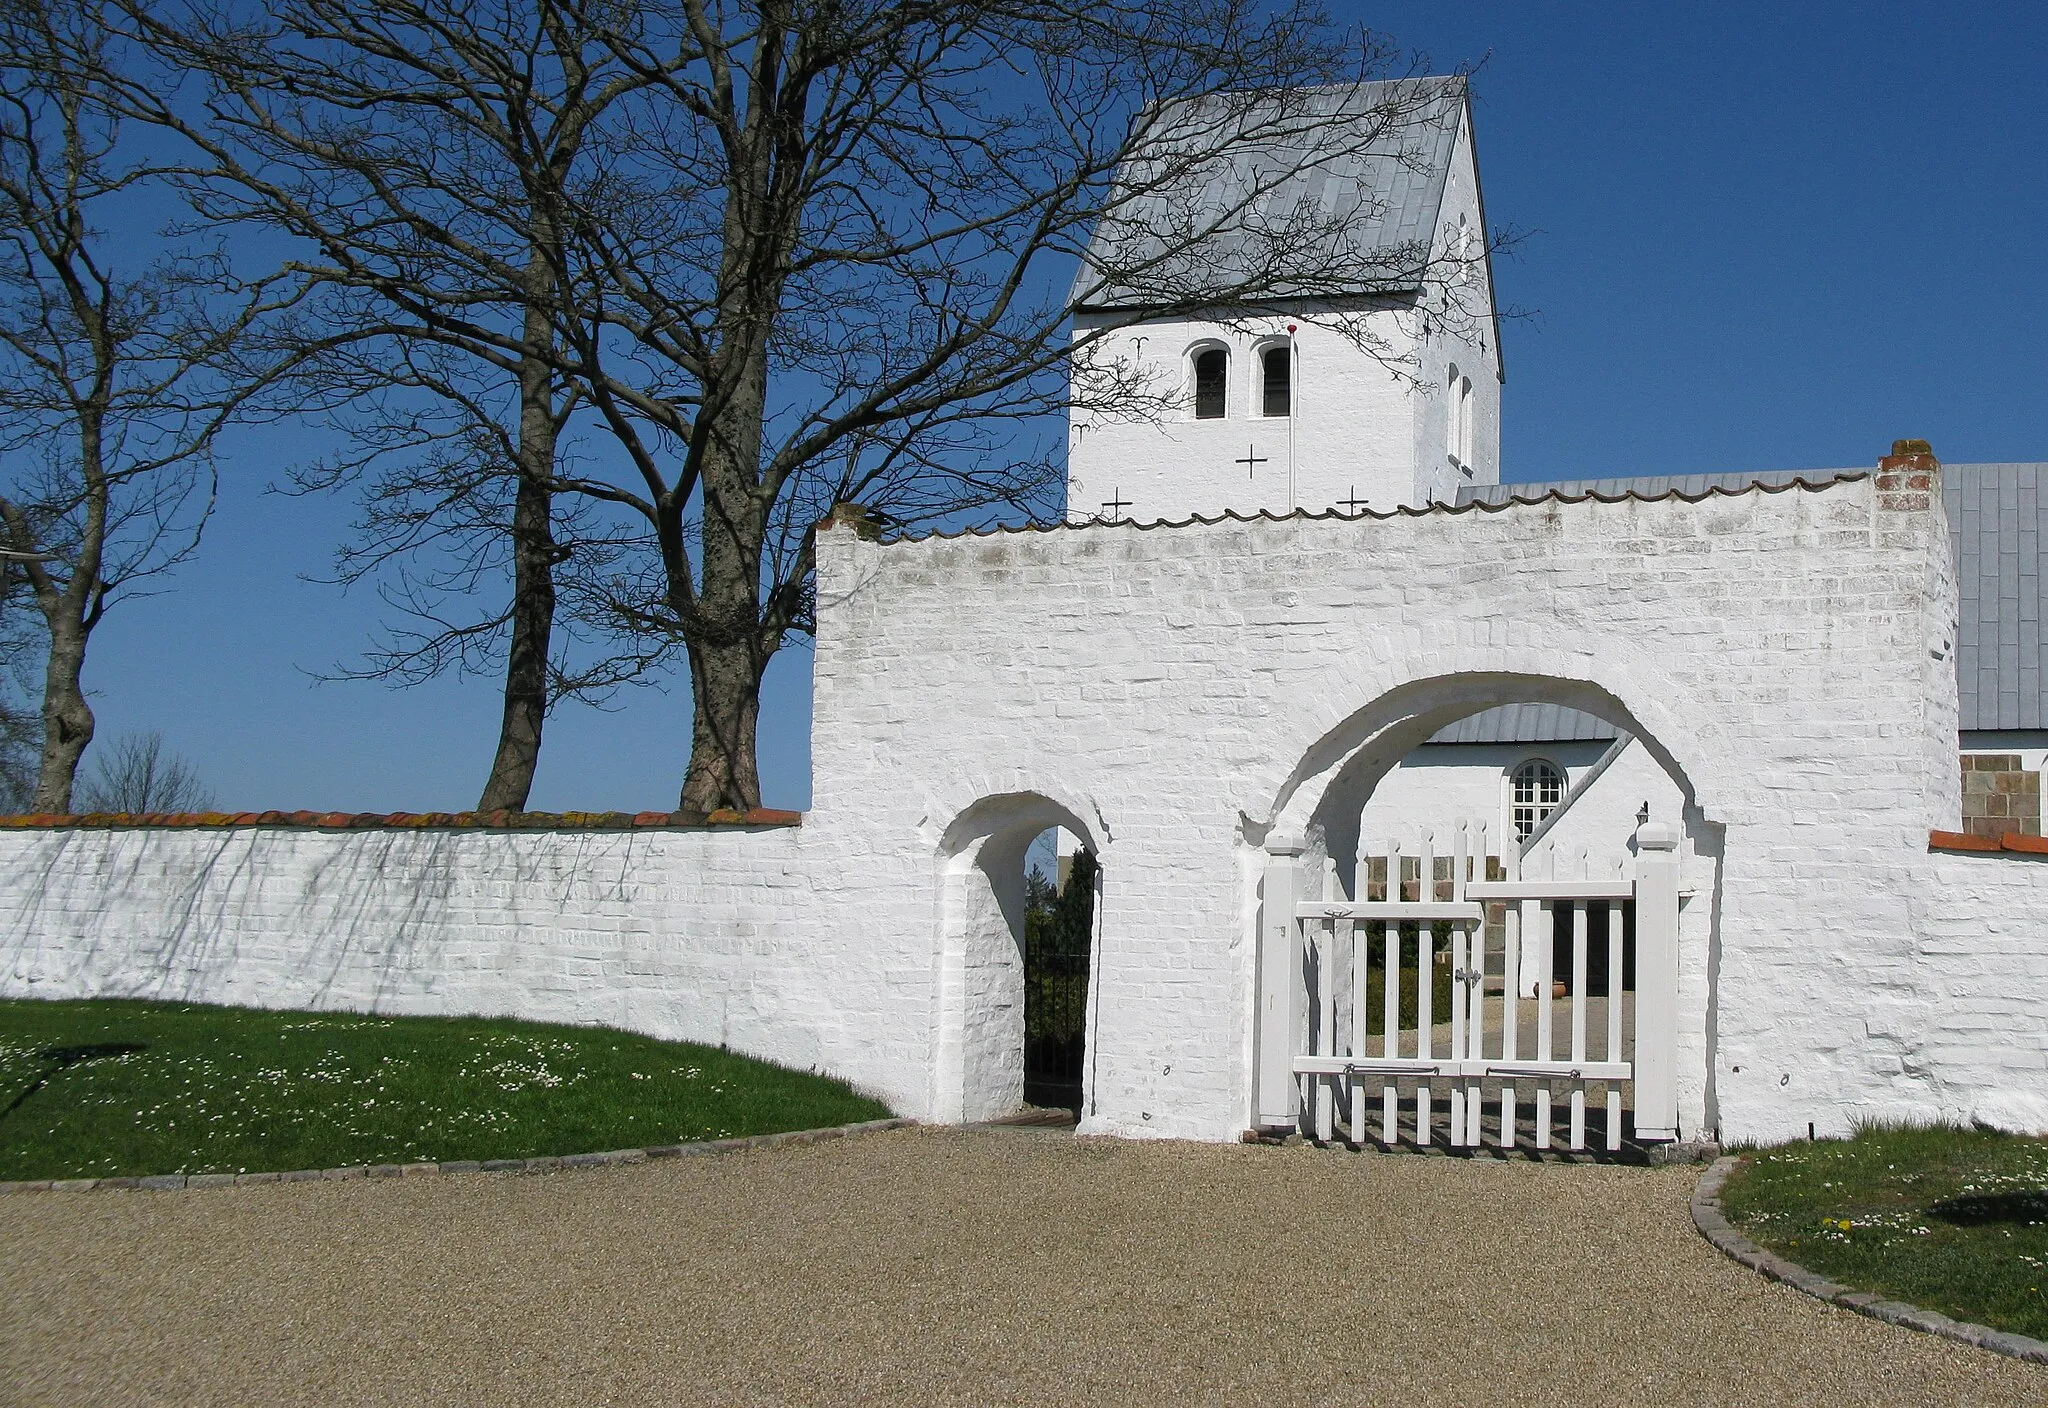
(1317, 1051)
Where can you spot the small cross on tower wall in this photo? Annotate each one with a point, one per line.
(1251, 460)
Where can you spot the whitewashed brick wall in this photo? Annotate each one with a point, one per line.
(1174, 696)
(1180, 691)
(1352, 434)
(1980, 1035)
(697, 935)
(1436, 787)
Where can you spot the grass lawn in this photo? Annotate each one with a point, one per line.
(108, 1089)
(1954, 1220)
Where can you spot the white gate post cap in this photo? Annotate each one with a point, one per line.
(1657, 836)
(1285, 845)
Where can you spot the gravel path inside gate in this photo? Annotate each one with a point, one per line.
(939, 1267)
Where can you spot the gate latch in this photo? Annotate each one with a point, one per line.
(1467, 976)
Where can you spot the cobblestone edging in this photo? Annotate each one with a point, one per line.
(1689, 1151)
(1707, 1216)
(165, 1182)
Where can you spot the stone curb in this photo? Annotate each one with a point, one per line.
(169, 1182)
(1707, 1216)
(1690, 1151)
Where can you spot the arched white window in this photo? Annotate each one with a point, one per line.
(1276, 380)
(1212, 382)
(1535, 788)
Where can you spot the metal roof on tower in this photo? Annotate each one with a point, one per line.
(1284, 194)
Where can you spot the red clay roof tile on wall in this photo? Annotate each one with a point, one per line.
(2011, 843)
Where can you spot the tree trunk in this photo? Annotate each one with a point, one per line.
(533, 594)
(67, 718)
(72, 611)
(725, 688)
(729, 644)
(526, 664)
(730, 641)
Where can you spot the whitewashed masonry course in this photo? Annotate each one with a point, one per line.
(1176, 697)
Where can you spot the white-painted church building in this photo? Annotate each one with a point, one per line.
(1303, 677)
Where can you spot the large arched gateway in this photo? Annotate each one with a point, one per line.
(1451, 978)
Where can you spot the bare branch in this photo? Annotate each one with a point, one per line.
(116, 379)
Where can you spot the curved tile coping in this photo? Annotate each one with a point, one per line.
(871, 527)
(1707, 1216)
(166, 1182)
(2011, 843)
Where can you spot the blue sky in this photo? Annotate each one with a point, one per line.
(1758, 237)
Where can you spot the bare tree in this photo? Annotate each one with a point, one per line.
(835, 253)
(793, 253)
(138, 776)
(117, 374)
(427, 159)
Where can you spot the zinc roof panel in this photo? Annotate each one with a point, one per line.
(1526, 723)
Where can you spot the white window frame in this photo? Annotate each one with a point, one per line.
(1451, 436)
(1458, 419)
(1194, 350)
(1510, 803)
(1258, 387)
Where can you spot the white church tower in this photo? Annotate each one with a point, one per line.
(1314, 329)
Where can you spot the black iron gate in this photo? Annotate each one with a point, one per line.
(1056, 942)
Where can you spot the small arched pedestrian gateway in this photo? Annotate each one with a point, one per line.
(990, 960)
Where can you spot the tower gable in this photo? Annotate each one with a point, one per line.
(1334, 398)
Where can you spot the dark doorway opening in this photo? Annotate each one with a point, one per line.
(1059, 926)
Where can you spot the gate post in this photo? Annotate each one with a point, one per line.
(1656, 1063)
(1279, 983)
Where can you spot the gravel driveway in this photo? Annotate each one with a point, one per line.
(939, 1267)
